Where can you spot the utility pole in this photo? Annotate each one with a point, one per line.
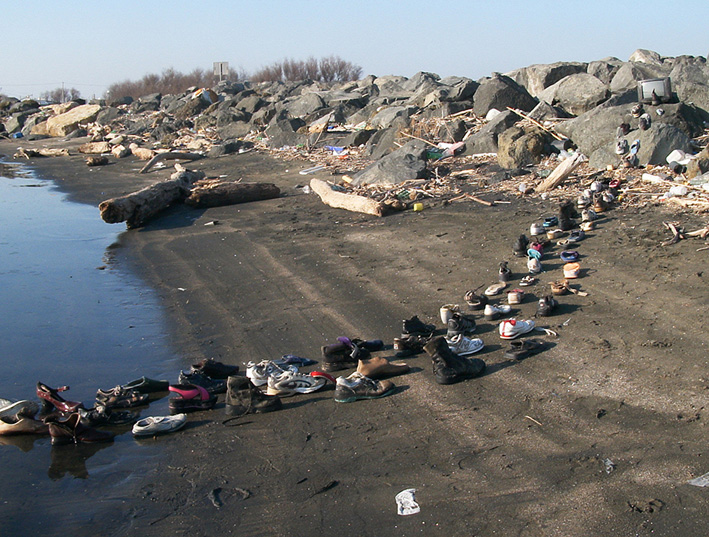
(62, 92)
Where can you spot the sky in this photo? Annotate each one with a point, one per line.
(89, 45)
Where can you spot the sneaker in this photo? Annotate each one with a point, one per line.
(416, 327)
(512, 328)
(408, 346)
(546, 306)
(10, 409)
(447, 312)
(494, 311)
(358, 386)
(515, 296)
(214, 369)
(644, 122)
(588, 215)
(622, 147)
(156, 425)
(536, 229)
(258, 373)
(459, 324)
(290, 383)
(242, 398)
(463, 346)
(637, 110)
(200, 379)
(576, 236)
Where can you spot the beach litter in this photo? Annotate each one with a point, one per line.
(406, 503)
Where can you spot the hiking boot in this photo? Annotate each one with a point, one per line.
(408, 346)
(416, 327)
(567, 212)
(358, 386)
(258, 373)
(214, 369)
(200, 379)
(459, 324)
(341, 355)
(242, 398)
(546, 306)
(448, 367)
(520, 246)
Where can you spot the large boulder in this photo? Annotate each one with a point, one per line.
(63, 124)
(407, 162)
(518, 147)
(536, 78)
(605, 69)
(630, 73)
(388, 116)
(458, 88)
(485, 140)
(700, 165)
(649, 57)
(304, 105)
(577, 93)
(499, 92)
(690, 80)
(283, 131)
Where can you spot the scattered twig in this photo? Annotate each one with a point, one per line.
(533, 420)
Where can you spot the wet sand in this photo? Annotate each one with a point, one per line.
(596, 436)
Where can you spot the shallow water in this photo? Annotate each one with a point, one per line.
(71, 314)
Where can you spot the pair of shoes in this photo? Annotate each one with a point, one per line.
(147, 385)
(416, 327)
(157, 425)
(448, 367)
(504, 274)
(460, 324)
(258, 373)
(379, 367)
(215, 369)
(447, 312)
(51, 399)
(475, 301)
(495, 289)
(119, 397)
(291, 383)
(71, 430)
(190, 398)
(546, 306)
(519, 350)
(463, 346)
(408, 346)
(512, 328)
(493, 311)
(198, 378)
(515, 296)
(100, 414)
(359, 386)
(520, 246)
(242, 398)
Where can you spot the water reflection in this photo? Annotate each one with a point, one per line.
(71, 459)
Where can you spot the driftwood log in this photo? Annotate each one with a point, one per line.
(561, 172)
(169, 155)
(139, 207)
(349, 202)
(218, 194)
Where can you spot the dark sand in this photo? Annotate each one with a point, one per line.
(597, 436)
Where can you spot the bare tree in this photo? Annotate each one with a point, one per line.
(60, 95)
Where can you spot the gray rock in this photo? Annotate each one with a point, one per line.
(357, 138)
(191, 107)
(24, 106)
(700, 165)
(500, 92)
(536, 78)
(642, 55)
(108, 114)
(604, 70)
(577, 93)
(282, 131)
(231, 115)
(452, 131)
(238, 129)
(447, 109)
(381, 143)
(225, 87)
(386, 117)
(459, 88)
(126, 100)
(421, 80)
(407, 162)
(304, 105)
(629, 74)
(544, 111)
(391, 86)
(250, 104)
(225, 148)
(17, 121)
(690, 80)
(30, 122)
(147, 103)
(485, 140)
(518, 147)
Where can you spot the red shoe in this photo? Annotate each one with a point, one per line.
(51, 398)
(190, 398)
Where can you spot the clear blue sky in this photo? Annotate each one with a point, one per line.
(92, 44)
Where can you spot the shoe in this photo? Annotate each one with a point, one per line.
(550, 222)
(359, 386)
(493, 311)
(379, 367)
(190, 398)
(102, 415)
(538, 247)
(258, 373)
(515, 296)
(416, 327)
(623, 130)
(495, 289)
(475, 301)
(12, 409)
(157, 425)
(572, 271)
(567, 213)
(19, 424)
(504, 274)
(447, 312)
(408, 346)
(214, 369)
(634, 148)
(583, 201)
(637, 110)
(568, 256)
(242, 398)
(621, 147)
(520, 246)
(146, 385)
(589, 215)
(644, 122)
(587, 226)
(554, 234)
(448, 367)
(576, 236)
(462, 345)
(460, 324)
(198, 378)
(533, 265)
(342, 355)
(527, 281)
(559, 287)
(119, 397)
(290, 383)
(546, 306)
(536, 229)
(70, 430)
(512, 328)
(51, 399)
(519, 350)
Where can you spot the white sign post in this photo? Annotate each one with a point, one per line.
(221, 69)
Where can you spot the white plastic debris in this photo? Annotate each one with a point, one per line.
(314, 169)
(701, 481)
(491, 114)
(648, 177)
(406, 503)
(680, 157)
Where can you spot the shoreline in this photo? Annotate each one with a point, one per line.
(625, 380)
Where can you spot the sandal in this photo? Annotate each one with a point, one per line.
(495, 289)
(51, 398)
(475, 301)
(527, 281)
(559, 287)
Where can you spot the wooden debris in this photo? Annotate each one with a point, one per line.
(216, 194)
(94, 148)
(44, 152)
(343, 200)
(561, 172)
(535, 122)
(169, 155)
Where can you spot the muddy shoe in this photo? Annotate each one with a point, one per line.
(379, 367)
(359, 386)
(519, 350)
(70, 430)
(448, 367)
(546, 306)
(242, 397)
(519, 248)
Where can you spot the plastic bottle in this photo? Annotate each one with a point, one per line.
(678, 190)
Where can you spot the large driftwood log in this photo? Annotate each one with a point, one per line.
(139, 207)
(561, 172)
(169, 155)
(218, 194)
(342, 200)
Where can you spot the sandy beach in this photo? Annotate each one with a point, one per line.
(596, 436)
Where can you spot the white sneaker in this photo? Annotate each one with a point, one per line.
(447, 312)
(290, 382)
(493, 311)
(534, 266)
(156, 425)
(512, 328)
(462, 345)
(259, 373)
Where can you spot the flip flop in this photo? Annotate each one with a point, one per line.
(519, 350)
(495, 289)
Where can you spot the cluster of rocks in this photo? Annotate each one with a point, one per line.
(585, 102)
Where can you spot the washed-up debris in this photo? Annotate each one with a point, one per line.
(406, 503)
(701, 481)
(96, 160)
(44, 152)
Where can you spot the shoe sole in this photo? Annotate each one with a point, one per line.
(358, 397)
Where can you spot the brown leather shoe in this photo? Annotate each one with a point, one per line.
(22, 425)
(380, 367)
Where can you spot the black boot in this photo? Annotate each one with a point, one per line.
(242, 397)
(520, 246)
(448, 367)
(567, 212)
